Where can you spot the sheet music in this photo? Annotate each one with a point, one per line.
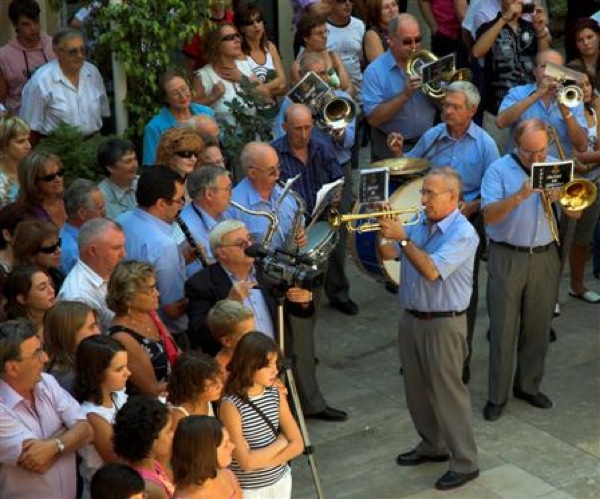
(326, 195)
(286, 189)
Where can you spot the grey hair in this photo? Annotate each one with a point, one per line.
(308, 60)
(450, 175)
(221, 230)
(204, 178)
(93, 228)
(79, 195)
(251, 153)
(395, 22)
(65, 34)
(12, 334)
(468, 90)
(530, 125)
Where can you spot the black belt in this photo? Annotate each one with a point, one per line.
(434, 315)
(525, 249)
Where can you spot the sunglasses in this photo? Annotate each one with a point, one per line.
(48, 250)
(410, 41)
(344, 1)
(187, 154)
(75, 51)
(51, 176)
(250, 22)
(231, 37)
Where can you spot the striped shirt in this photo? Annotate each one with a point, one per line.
(258, 435)
(50, 99)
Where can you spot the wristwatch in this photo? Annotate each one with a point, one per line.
(404, 242)
(59, 445)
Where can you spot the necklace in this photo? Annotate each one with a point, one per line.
(144, 326)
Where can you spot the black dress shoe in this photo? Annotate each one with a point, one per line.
(346, 307)
(552, 336)
(466, 375)
(329, 414)
(492, 412)
(538, 400)
(453, 479)
(412, 458)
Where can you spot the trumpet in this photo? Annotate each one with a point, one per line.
(337, 219)
(579, 194)
(569, 95)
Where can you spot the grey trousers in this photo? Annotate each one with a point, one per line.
(432, 354)
(521, 294)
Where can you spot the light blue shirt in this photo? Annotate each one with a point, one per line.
(117, 200)
(342, 151)
(470, 155)
(451, 243)
(550, 115)
(69, 248)
(200, 224)
(526, 225)
(383, 80)
(149, 239)
(246, 195)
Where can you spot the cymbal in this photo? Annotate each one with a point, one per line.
(402, 166)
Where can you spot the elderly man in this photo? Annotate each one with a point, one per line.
(209, 188)
(538, 100)
(83, 201)
(101, 244)
(436, 274)
(23, 55)
(234, 277)
(41, 425)
(66, 90)
(468, 149)
(148, 236)
(300, 152)
(523, 267)
(391, 100)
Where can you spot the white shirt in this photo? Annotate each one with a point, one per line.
(49, 99)
(83, 284)
(347, 42)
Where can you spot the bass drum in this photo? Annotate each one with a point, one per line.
(364, 248)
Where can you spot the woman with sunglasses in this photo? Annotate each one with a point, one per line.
(219, 81)
(262, 56)
(180, 149)
(41, 180)
(38, 242)
(377, 16)
(14, 146)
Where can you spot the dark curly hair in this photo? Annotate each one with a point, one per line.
(94, 355)
(189, 376)
(137, 425)
(116, 481)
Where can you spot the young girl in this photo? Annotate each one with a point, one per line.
(201, 454)
(259, 421)
(100, 376)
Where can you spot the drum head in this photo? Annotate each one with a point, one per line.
(402, 166)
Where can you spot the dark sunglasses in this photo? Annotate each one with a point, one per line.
(231, 37)
(250, 22)
(409, 41)
(51, 176)
(48, 250)
(187, 154)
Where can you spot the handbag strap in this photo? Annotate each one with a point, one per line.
(263, 416)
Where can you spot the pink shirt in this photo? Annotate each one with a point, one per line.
(445, 15)
(18, 63)
(19, 421)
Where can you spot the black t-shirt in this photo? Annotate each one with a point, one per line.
(509, 62)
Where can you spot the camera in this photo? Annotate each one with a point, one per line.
(528, 8)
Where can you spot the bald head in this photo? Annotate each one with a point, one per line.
(206, 126)
(298, 126)
(297, 111)
(401, 22)
(405, 37)
(254, 153)
(542, 59)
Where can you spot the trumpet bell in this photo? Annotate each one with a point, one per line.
(337, 113)
(578, 194)
(570, 96)
(414, 66)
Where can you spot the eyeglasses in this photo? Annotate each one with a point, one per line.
(527, 152)
(180, 201)
(180, 92)
(229, 188)
(274, 170)
(231, 37)
(51, 176)
(246, 243)
(322, 32)
(407, 42)
(75, 51)
(48, 250)
(187, 154)
(38, 354)
(151, 288)
(250, 22)
(344, 1)
(432, 194)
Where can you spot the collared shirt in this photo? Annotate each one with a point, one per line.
(469, 156)
(161, 123)
(550, 115)
(19, 421)
(200, 224)
(342, 151)
(383, 80)
(69, 248)
(321, 168)
(118, 200)
(451, 243)
(526, 225)
(83, 284)
(246, 195)
(149, 239)
(50, 99)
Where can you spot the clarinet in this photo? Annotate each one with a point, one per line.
(199, 250)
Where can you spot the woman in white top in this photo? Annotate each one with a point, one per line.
(219, 81)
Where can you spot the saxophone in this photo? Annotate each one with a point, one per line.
(272, 217)
(291, 243)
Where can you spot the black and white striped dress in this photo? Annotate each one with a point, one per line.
(258, 435)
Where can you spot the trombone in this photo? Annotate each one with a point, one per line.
(336, 219)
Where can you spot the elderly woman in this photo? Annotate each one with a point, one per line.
(211, 154)
(585, 37)
(312, 30)
(133, 296)
(180, 149)
(14, 146)
(41, 180)
(218, 81)
(178, 111)
(38, 242)
(377, 16)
